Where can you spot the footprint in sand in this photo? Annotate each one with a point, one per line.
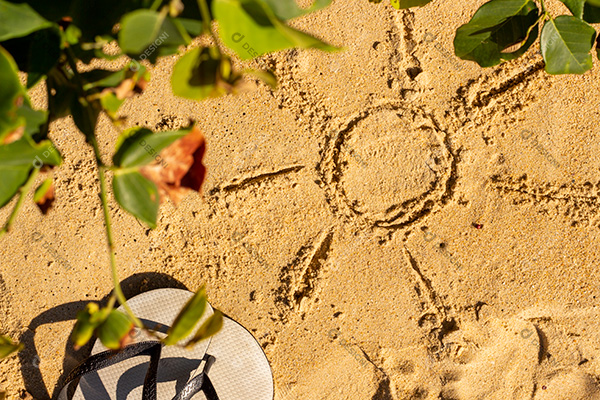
(573, 385)
(520, 360)
(504, 368)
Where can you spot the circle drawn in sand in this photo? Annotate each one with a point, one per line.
(388, 166)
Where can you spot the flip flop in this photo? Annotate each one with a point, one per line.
(230, 365)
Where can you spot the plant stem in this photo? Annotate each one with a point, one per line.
(104, 197)
(24, 190)
(205, 16)
(111, 301)
(544, 7)
(109, 237)
(155, 5)
(206, 28)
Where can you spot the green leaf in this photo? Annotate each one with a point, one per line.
(402, 4)
(150, 34)
(138, 29)
(8, 347)
(169, 39)
(12, 178)
(192, 26)
(114, 331)
(17, 159)
(288, 9)
(187, 319)
(198, 75)
(11, 94)
(126, 134)
(88, 320)
(111, 104)
(591, 13)
(301, 39)
(211, 326)
(266, 76)
(16, 114)
(122, 84)
(137, 195)
(595, 3)
(25, 152)
(575, 6)
(33, 119)
(251, 28)
(18, 20)
(566, 43)
(140, 146)
(195, 74)
(496, 26)
(85, 55)
(72, 34)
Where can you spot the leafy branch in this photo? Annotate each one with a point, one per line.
(502, 30)
(49, 42)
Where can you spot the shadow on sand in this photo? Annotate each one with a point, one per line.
(29, 358)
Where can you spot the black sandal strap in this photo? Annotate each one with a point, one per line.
(152, 349)
(107, 358)
(149, 392)
(197, 384)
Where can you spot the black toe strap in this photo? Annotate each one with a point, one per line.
(107, 358)
(149, 392)
(152, 349)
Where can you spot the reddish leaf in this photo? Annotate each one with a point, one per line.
(181, 169)
(141, 84)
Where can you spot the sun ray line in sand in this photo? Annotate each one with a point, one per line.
(485, 95)
(443, 323)
(241, 182)
(299, 279)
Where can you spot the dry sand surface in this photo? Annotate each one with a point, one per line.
(391, 223)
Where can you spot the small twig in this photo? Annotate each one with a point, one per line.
(24, 190)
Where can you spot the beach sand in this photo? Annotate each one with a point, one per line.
(391, 223)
